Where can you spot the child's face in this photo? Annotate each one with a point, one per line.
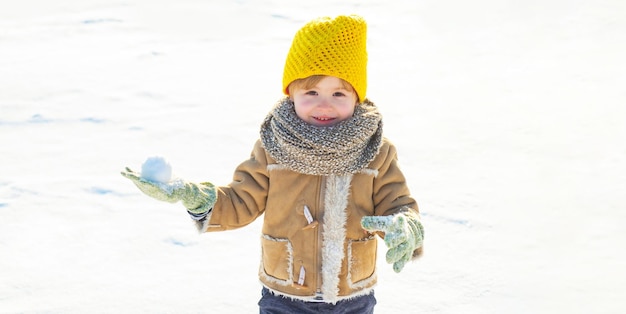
(325, 104)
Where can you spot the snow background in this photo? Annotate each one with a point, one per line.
(508, 116)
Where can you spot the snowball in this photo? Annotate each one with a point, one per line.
(156, 169)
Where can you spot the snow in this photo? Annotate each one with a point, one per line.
(508, 117)
(156, 169)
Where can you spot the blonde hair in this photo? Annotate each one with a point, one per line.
(311, 81)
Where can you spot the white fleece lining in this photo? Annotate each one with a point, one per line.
(368, 171)
(334, 233)
(271, 167)
(314, 300)
(273, 279)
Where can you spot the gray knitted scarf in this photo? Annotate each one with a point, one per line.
(344, 148)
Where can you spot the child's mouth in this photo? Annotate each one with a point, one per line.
(324, 120)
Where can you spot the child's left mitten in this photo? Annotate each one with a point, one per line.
(404, 234)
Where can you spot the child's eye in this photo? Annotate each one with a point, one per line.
(311, 93)
(339, 94)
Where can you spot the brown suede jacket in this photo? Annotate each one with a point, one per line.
(325, 256)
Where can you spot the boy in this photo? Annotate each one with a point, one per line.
(323, 176)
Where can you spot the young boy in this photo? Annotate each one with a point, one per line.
(323, 176)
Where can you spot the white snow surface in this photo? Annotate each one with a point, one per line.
(156, 169)
(508, 117)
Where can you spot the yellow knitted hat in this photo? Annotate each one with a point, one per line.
(327, 46)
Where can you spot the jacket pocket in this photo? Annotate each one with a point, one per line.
(277, 257)
(362, 260)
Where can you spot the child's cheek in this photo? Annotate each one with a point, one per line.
(301, 111)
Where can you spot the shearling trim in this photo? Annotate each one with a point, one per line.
(313, 298)
(368, 171)
(272, 167)
(334, 233)
(362, 283)
(273, 279)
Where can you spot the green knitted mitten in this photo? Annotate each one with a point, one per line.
(404, 234)
(197, 198)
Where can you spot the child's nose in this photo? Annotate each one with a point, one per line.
(324, 102)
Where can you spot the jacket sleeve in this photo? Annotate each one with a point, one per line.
(391, 193)
(243, 200)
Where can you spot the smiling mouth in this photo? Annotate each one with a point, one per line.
(323, 119)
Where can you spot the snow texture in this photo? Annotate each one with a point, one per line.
(508, 117)
(156, 169)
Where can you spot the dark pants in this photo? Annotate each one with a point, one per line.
(275, 304)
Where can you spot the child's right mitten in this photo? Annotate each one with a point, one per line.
(197, 198)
